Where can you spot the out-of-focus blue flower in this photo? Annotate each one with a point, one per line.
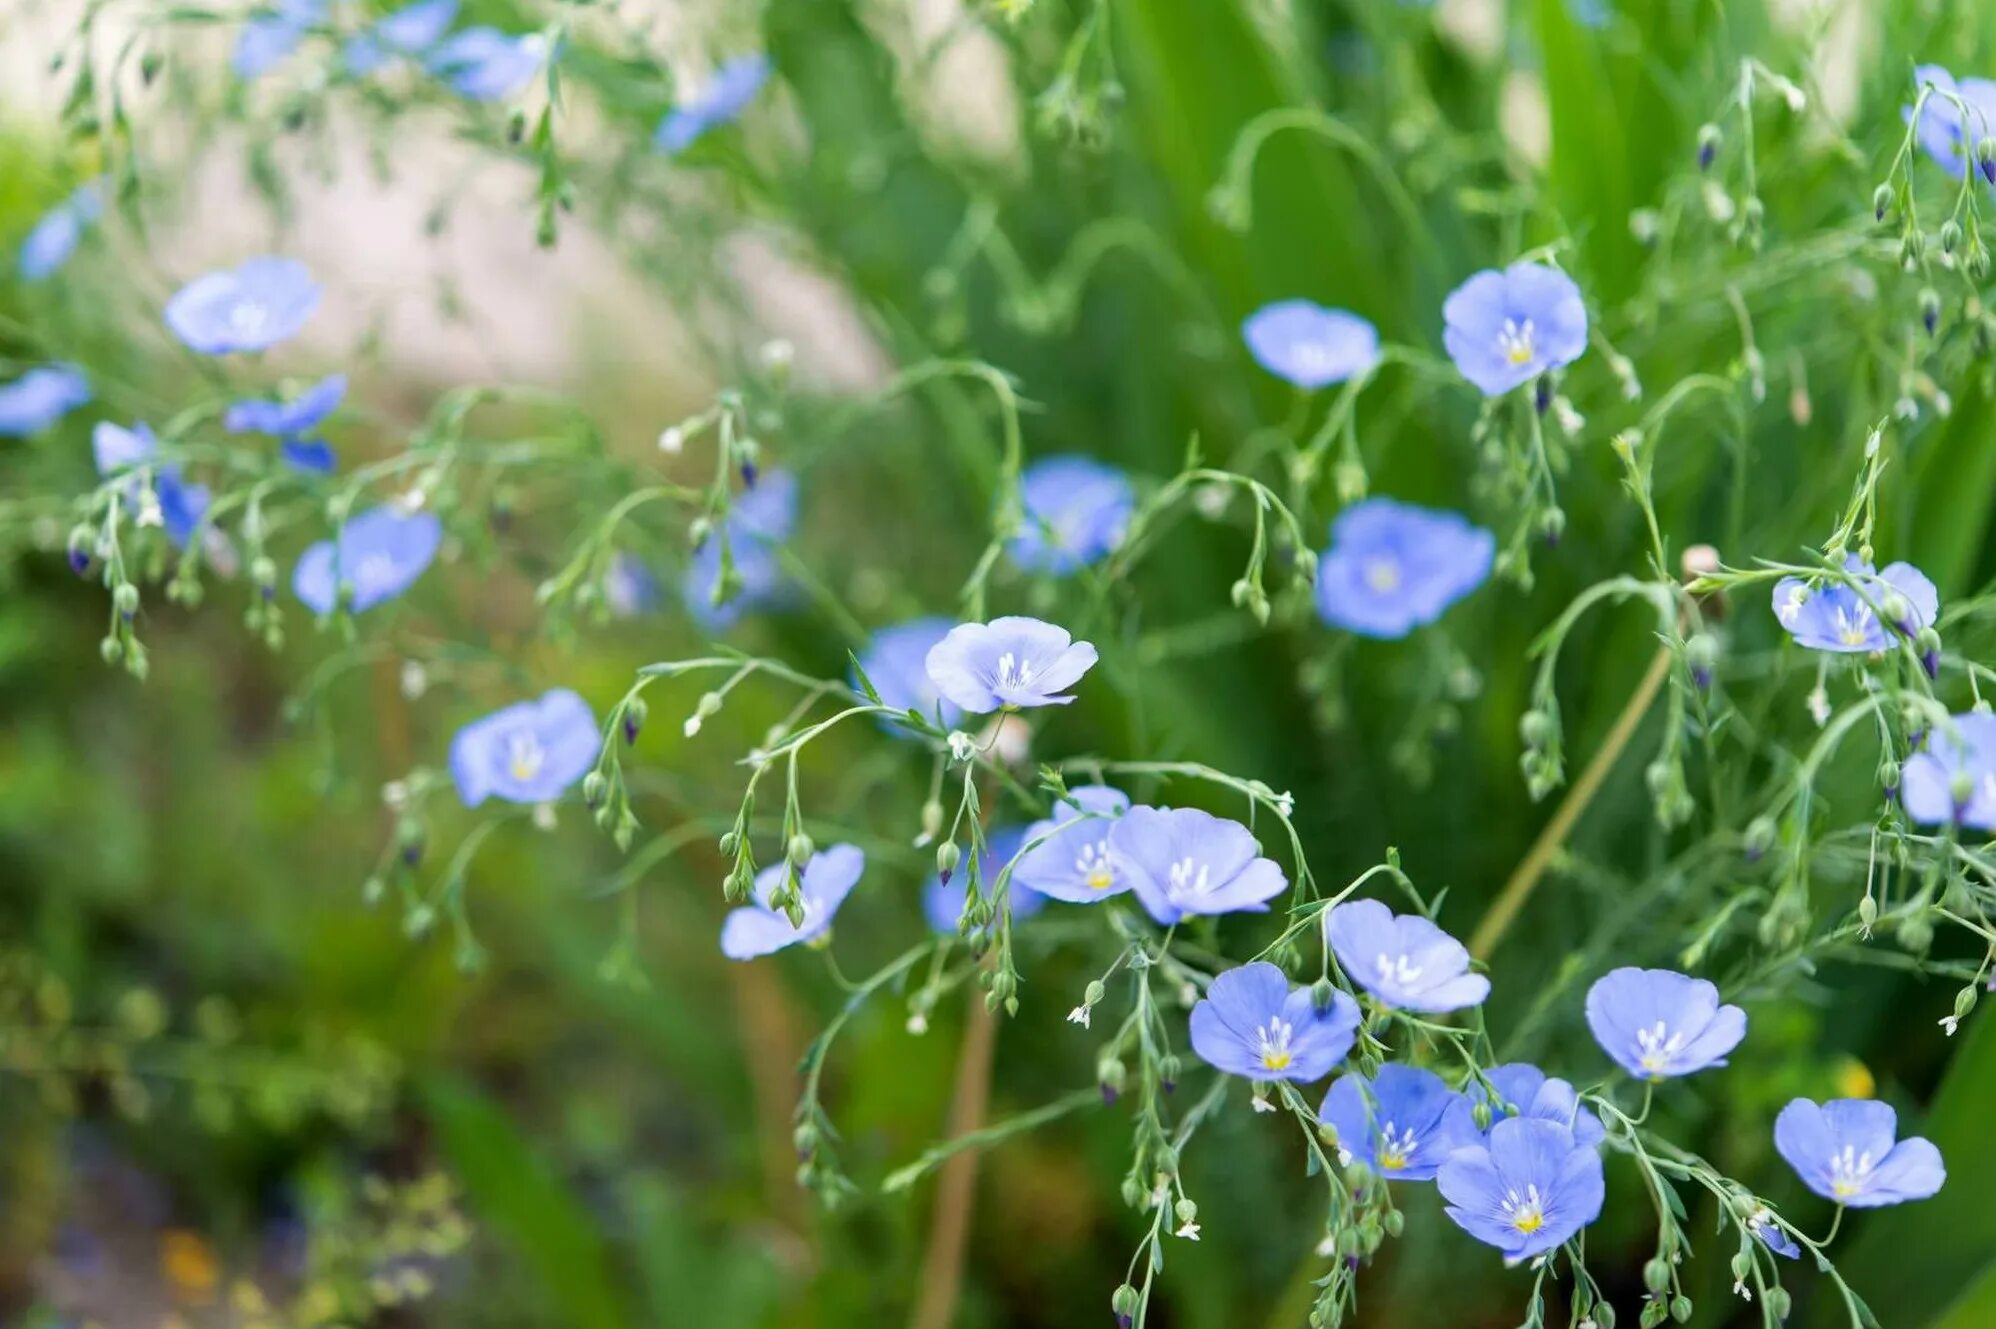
(528, 752)
(1657, 1024)
(251, 307)
(1252, 1023)
(1393, 567)
(629, 587)
(181, 503)
(942, 902)
(267, 39)
(1506, 328)
(725, 97)
(1076, 510)
(1761, 1223)
(1845, 1150)
(380, 554)
(408, 31)
(1008, 663)
(1404, 960)
(55, 237)
(1183, 861)
(760, 520)
(39, 398)
(485, 64)
(896, 662)
(1835, 617)
(1403, 1125)
(1309, 345)
(288, 419)
(1530, 1188)
(1952, 778)
(757, 929)
(314, 456)
(1526, 1091)
(1073, 862)
(1958, 115)
(1590, 13)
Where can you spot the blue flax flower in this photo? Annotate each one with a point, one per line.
(485, 64)
(1073, 862)
(1507, 328)
(896, 662)
(267, 39)
(760, 520)
(1403, 1124)
(1657, 1024)
(1007, 663)
(1252, 1023)
(757, 929)
(1844, 1150)
(1836, 617)
(528, 752)
(942, 901)
(629, 588)
(182, 503)
(251, 307)
(1530, 1188)
(407, 31)
(1309, 345)
(1076, 509)
(1403, 960)
(1393, 567)
(1182, 861)
(55, 237)
(1958, 115)
(725, 97)
(39, 398)
(1524, 1090)
(1771, 1234)
(289, 421)
(1952, 778)
(380, 554)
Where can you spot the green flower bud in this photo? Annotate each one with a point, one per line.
(801, 849)
(947, 856)
(1680, 1309)
(1656, 1275)
(1881, 201)
(126, 598)
(1778, 1301)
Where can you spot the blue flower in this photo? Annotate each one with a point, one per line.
(629, 588)
(266, 39)
(1007, 663)
(1530, 1188)
(1835, 617)
(1403, 1125)
(1844, 1150)
(1506, 328)
(732, 88)
(181, 503)
(1183, 861)
(379, 554)
(942, 902)
(288, 419)
(1771, 1235)
(760, 519)
(1073, 862)
(485, 64)
(528, 752)
(407, 31)
(1947, 133)
(1526, 1091)
(1252, 1023)
(896, 662)
(1076, 509)
(1656, 1024)
(1404, 960)
(251, 307)
(55, 237)
(756, 929)
(39, 398)
(1952, 778)
(1309, 345)
(314, 456)
(1393, 567)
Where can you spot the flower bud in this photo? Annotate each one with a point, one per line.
(1680, 1309)
(1322, 993)
(1930, 310)
(1881, 201)
(1964, 1002)
(800, 849)
(126, 598)
(1708, 146)
(1093, 993)
(1185, 1211)
(1111, 1074)
(1656, 1275)
(1950, 235)
(947, 856)
(1603, 1315)
(1778, 1302)
(594, 786)
(1481, 1115)
(1537, 729)
(1396, 1222)
(1867, 912)
(1126, 1303)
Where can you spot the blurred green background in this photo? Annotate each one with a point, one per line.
(211, 1044)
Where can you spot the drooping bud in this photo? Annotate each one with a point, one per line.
(947, 855)
(1881, 201)
(1708, 146)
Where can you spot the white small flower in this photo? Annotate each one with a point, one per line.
(1080, 1015)
(395, 794)
(961, 745)
(1328, 1246)
(415, 679)
(1344, 1156)
(918, 1023)
(1569, 420)
(149, 513)
(1819, 706)
(672, 441)
(1951, 1023)
(412, 500)
(1260, 1101)
(1740, 1289)
(1211, 500)
(1189, 1231)
(778, 354)
(692, 726)
(1285, 803)
(544, 816)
